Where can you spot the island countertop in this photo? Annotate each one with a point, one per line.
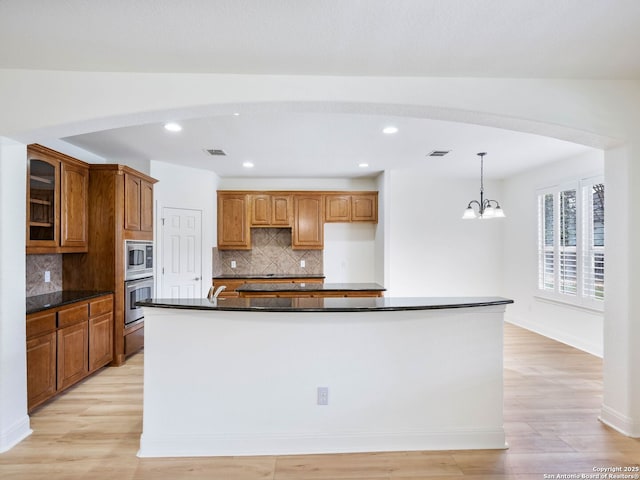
(340, 304)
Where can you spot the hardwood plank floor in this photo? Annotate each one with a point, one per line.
(552, 399)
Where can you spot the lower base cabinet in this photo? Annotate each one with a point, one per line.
(73, 354)
(100, 341)
(41, 369)
(65, 344)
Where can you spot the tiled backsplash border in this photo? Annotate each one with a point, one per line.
(270, 253)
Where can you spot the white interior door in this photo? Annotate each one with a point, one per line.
(181, 268)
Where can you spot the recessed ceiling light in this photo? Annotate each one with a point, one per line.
(172, 127)
(247, 164)
(236, 114)
(390, 130)
(363, 165)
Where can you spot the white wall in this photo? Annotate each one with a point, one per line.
(432, 251)
(14, 422)
(575, 326)
(349, 252)
(189, 188)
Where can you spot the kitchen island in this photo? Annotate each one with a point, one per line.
(268, 376)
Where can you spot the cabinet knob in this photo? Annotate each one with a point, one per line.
(197, 278)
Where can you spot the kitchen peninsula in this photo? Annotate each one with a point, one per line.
(258, 376)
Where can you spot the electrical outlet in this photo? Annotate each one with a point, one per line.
(233, 264)
(302, 263)
(323, 395)
(47, 276)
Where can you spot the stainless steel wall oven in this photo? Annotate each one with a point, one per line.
(135, 290)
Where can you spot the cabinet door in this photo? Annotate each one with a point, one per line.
(308, 225)
(146, 206)
(132, 195)
(41, 369)
(74, 192)
(43, 196)
(261, 210)
(337, 208)
(73, 354)
(364, 207)
(281, 210)
(233, 222)
(100, 341)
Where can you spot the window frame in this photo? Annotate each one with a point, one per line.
(584, 232)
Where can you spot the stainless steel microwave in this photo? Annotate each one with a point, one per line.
(138, 259)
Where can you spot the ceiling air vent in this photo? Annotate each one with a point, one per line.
(216, 152)
(438, 153)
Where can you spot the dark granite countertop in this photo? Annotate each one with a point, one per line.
(310, 287)
(266, 277)
(351, 304)
(39, 303)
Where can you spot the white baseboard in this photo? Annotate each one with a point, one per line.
(13, 435)
(558, 335)
(269, 444)
(623, 424)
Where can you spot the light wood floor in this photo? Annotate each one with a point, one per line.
(552, 400)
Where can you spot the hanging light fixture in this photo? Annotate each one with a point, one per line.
(486, 208)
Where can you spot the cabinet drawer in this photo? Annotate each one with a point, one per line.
(100, 306)
(40, 323)
(134, 341)
(73, 315)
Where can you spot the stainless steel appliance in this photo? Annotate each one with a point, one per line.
(135, 290)
(138, 259)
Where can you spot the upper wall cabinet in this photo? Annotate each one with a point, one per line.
(304, 211)
(351, 207)
(138, 203)
(57, 190)
(233, 222)
(270, 210)
(308, 227)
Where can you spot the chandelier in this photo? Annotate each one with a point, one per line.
(486, 208)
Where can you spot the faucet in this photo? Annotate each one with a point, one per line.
(212, 296)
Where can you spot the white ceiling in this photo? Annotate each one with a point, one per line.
(489, 38)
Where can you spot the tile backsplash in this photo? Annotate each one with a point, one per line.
(37, 265)
(270, 253)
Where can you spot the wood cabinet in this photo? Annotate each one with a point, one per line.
(57, 194)
(73, 354)
(234, 232)
(352, 207)
(317, 294)
(65, 344)
(74, 193)
(120, 208)
(138, 203)
(308, 224)
(100, 332)
(269, 210)
(337, 208)
(304, 212)
(41, 358)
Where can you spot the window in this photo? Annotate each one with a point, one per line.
(571, 242)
